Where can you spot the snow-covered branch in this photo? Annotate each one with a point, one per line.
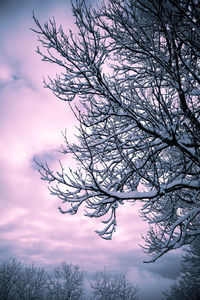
(133, 71)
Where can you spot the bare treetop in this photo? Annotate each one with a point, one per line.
(132, 71)
(108, 286)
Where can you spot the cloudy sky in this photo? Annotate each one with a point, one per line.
(31, 122)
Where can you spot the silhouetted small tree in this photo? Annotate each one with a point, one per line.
(19, 282)
(66, 282)
(10, 270)
(31, 284)
(107, 286)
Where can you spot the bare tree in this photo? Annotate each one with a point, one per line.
(31, 284)
(20, 282)
(66, 282)
(107, 286)
(9, 276)
(133, 72)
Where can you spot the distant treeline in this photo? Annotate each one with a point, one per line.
(67, 282)
(63, 282)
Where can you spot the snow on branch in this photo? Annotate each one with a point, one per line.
(131, 77)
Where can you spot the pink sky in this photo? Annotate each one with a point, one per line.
(31, 122)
